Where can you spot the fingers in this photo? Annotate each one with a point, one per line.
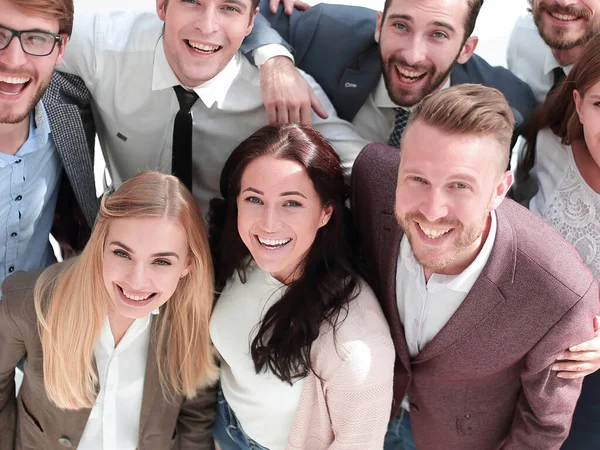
(579, 356)
(306, 115)
(301, 6)
(273, 5)
(282, 115)
(271, 112)
(316, 105)
(288, 7)
(574, 367)
(574, 375)
(593, 346)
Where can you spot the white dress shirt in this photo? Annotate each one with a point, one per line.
(425, 307)
(374, 121)
(264, 405)
(530, 59)
(120, 57)
(565, 200)
(114, 421)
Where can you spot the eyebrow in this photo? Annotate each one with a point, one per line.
(239, 3)
(159, 255)
(283, 194)
(437, 23)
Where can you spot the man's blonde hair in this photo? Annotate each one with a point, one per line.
(61, 10)
(469, 109)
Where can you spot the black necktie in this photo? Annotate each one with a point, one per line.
(399, 125)
(181, 163)
(559, 77)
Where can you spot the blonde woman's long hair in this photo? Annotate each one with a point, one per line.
(72, 303)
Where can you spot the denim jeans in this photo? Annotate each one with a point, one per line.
(399, 435)
(228, 432)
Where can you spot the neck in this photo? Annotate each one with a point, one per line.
(568, 57)
(13, 136)
(119, 326)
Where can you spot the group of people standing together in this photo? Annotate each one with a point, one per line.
(307, 240)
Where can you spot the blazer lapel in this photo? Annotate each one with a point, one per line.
(390, 236)
(356, 84)
(152, 387)
(484, 296)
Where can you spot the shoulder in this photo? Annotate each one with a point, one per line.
(17, 297)
(355, 18)
(118, 30)
(377, 163)
(545, 262)
(478, 70)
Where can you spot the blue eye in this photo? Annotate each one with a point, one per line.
(460, 186)
(292, 203)
(162, 262)
(418, 179)
(399, 25)
(256, 200)
(121, 254)
(439, 34)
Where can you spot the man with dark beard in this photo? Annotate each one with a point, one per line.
(480, 294)
(375, 66)
(41, 134)
(545, 44)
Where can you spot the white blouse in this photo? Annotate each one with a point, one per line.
(565, 200)
(264, 405)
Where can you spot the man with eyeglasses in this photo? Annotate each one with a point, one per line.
(41, 135)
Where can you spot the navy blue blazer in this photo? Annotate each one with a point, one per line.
(336, 45)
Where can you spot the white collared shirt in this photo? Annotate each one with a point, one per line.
(425, 307)
(114, 421)
(530, 59)
(120, 57)
(375, 119)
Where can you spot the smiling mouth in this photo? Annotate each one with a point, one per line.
(13, 85)
(136, 298)
(564, 17)
(410, 76)
(204, 49)
(273, 244)
(433, 233)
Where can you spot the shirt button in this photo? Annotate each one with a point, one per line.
(65, 442)
(19, 198)
(11, 269)
(13, 234)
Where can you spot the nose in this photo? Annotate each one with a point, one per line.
(434, 206)
(415, 51)
(206, 20)
(567, 2)
(271, 221)
(13, 55)
(136, 277)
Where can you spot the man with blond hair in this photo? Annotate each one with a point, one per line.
(42, 138)
(480, 294)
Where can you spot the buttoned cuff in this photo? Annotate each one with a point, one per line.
(262, 54)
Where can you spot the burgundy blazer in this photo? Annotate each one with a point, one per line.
(485, 381)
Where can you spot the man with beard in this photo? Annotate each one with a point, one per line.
(375, 66)
(481, 295)
(41, 135)
(545, 44)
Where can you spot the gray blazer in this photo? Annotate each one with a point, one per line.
(72, 129)
(485, 381)
(336, 45)
(32, 421)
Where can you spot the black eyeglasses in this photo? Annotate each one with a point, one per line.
(35, 43)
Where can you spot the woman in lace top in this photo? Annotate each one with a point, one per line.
(563, 157)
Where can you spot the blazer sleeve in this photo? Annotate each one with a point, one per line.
(12, 350)
(262, 34)
(196, 420)
(545, 407)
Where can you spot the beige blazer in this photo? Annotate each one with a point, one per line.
(30, 421)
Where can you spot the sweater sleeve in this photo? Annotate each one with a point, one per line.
(359, 395)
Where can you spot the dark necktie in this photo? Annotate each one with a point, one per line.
(181, 163)
(559, 77)
(399, 125)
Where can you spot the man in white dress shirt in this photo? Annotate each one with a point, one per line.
(545, 44)
(130, 62)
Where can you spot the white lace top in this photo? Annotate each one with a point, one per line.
(565, 200)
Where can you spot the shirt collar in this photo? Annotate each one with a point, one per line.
(464, 281)
(382, 97)
(211, 92)
(550, 62)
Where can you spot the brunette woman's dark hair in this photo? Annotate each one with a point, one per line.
(328, 280)
(558, 112)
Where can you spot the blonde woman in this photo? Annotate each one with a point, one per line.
(116, 345)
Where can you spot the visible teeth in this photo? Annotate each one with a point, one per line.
(13, 80)
(131, 296)
(563, 16)
(433, 233)
(203, 47)
(273, 242)
(410, 73)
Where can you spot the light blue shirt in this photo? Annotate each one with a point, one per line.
(28, 191)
